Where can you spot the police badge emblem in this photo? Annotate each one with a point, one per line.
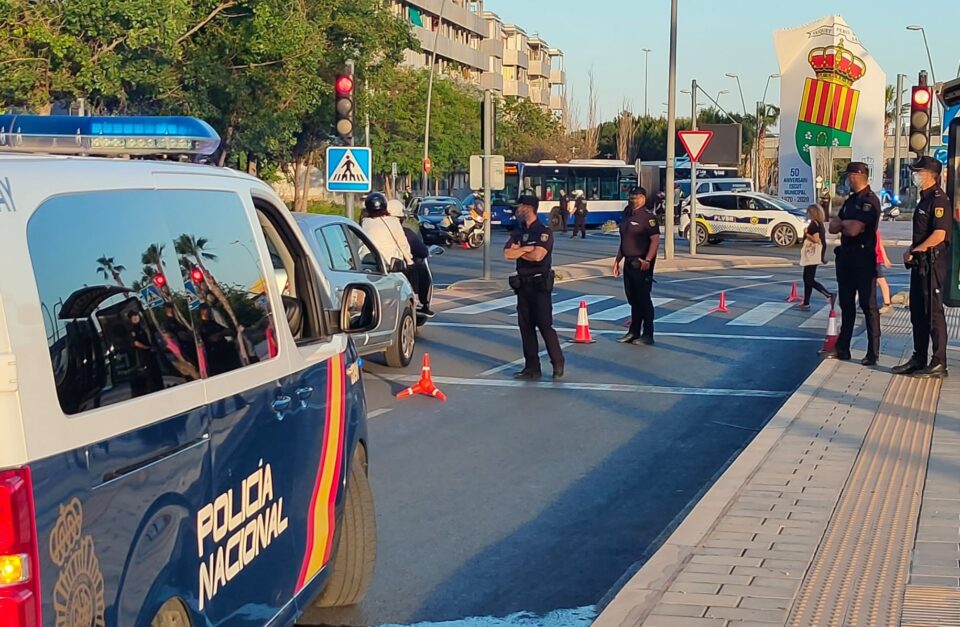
(545, 238)
(938, 212)
(653, 222)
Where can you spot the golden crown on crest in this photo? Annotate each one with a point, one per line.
(836, 64)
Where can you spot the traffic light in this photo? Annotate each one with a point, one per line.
(196, 275)
(343, 97)
(921, 101)
(159, 280)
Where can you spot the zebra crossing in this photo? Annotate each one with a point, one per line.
(605, 308)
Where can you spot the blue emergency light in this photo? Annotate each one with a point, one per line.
(107, 136)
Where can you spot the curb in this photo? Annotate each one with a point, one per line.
(640, 594)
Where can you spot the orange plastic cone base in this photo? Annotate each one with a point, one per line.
(722, 307)
(425, 385)
(465, 246)
(794, 296)
(830, 342)
(583, 326)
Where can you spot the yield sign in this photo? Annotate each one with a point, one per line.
(695, 142)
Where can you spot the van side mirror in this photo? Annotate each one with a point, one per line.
(397, 265)
(360, 310)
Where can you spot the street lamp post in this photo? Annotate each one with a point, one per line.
(761, 112)
(933, 73)
(740, 88)
(646, 69)
(433, 64)
(671, 131)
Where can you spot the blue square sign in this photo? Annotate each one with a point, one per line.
(349, 169)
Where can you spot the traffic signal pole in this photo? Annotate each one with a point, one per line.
(671, 134)
(897, 130)
(693, 173)
(488, 123)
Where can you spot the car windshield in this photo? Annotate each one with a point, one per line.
(434, 209)
(780, 204)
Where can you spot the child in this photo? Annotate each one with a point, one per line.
(883, 262)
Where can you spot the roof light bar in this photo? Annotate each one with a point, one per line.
(107, 136)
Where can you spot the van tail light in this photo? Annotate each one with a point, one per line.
(19, 555)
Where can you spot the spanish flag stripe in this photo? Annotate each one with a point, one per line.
(839, 95)
(851, 113)
(809, 100)
(336, 483)
(823, 92)
(320, 521)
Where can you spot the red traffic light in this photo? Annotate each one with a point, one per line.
(344, 84)
(196, 275)
(921, 97)
(159, 280)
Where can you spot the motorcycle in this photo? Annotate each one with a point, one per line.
(470, 232)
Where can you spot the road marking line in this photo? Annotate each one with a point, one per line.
(600, 387)
(517, 362)
(714, 278)
(489, 305)
(817, 320)
(742, 287)
(760, 315)
(708, 336)
(378, 412)
(623, 311)
(573, 303)
(689, 314)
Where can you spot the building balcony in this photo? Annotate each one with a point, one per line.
(558, 103)
(539, 69)
(520, 89)
(492, 81)
(492, 48)
(558, 77)
(516, 58)
(539, 97)
(450, 49)
(454, 14)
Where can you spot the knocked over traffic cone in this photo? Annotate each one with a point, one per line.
(722, 307)
(583, 326)
(794, 297)
(830, 342)
(425, 385)
(465, 245)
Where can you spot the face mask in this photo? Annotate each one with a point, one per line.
(916, 179)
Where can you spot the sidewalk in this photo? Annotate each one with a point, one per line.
(844, 510)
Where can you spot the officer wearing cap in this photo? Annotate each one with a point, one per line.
(928, 260)
(639, 240)
(856, 263)
(531, 246)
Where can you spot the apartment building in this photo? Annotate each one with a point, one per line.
(475, 46)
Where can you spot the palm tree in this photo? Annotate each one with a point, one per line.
(152, 260)
(108, 267)
(195, 247)
(890, 107)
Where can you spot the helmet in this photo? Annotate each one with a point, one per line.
(395, 208)
(375, 203)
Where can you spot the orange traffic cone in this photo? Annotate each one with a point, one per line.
(425, 385)
(465, 245)
(830, 342)
(794, 296)
(722, 307)
(583, 326)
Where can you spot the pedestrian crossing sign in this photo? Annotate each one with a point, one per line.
(349, 169)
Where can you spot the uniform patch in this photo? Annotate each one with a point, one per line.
(938, 212)
(653, 222)
(525, 237)
(545, 237)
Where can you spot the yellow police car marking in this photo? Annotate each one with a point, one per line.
(938, 212)
(754, 220)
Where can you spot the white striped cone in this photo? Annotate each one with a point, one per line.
(830, 342)
(583, 326)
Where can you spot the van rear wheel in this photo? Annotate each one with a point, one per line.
(172, 614)
(356, 551)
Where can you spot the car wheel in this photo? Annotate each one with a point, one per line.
(784, 235)
(401, 352)
(702, 236)
(476, 239)
(356, 551)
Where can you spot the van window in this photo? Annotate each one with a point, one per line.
(146, 290)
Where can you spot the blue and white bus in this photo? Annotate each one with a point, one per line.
(604, 182)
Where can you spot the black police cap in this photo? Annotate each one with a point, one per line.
(530, 200)
(636, 190)
(927, 163)
(858, 167)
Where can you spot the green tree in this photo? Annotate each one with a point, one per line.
(526, 132)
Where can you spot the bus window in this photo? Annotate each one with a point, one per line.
(609, 188)
(534, 185)
(553, 184)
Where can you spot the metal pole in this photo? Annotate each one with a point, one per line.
(897, 129)
(646, 73)
(757, 148)
(366, 122)
(671, 132)
(487, 192)
(426, 128)
(693, 172)
(349, 198)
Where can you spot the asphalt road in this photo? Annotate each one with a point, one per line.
(539, 497)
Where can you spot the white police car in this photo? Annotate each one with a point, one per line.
(750, 215)
(182, 424)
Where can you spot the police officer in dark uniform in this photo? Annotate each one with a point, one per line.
(857, 263)
(639, 241)
(929, 263)
(531, 246)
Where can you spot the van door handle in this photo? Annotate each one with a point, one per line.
(304, 395)
(281, 404)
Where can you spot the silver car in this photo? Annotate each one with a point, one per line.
(347, 256)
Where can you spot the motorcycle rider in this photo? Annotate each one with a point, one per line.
(385, 230)
(418, 272)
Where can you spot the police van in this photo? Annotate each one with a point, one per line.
(182, 417)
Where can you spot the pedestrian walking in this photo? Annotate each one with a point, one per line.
(580, 217)
(813, 253)
(531, 246)
(883, 262)
(928, 260)
(639, 241)
(564, 210)
(857, 264)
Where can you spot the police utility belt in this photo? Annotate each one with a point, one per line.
(541, 281)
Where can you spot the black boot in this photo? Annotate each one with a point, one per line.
(910, 367)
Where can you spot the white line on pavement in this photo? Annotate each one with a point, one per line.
(599, 387)
(689, 314)
(378, 412)
(742, 287)
(517, 362)
(817, 320)
(714, 278)
(623, 311)
(761, 314)
(484, 307)
(570, 304)
(707, 336)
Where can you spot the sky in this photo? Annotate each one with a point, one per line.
(715, 38)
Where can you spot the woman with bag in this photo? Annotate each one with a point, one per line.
(812, 254)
